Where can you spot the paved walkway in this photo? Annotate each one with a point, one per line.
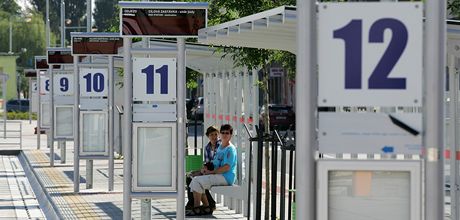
(96, 203)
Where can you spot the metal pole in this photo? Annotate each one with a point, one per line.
(127, 145)
(180, 214)
(89, 15)
(76, 130)
(146, 209)
(89, 163)
(30, 101)
(89, 174)
(111, 121)
(62, 146)
(260, 149)
(38, 110)
(453, 91)
(47, 32)
(435, 39)
(306, 102)
(62, 23)
(456, 149)
(4, 105)
(51, 130)
(11, 35)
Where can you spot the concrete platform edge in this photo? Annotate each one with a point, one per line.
(46, 203)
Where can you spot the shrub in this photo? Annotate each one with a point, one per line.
(18, 116)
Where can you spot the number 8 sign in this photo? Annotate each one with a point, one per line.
(154, 79)
(370, 54)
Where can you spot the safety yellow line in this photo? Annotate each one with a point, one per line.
(61, 183)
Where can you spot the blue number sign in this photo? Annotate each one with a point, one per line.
(154, 79)
(93, 82)
(370, 54)
(63, 84)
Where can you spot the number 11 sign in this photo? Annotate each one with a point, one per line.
(154, 79)
(370, 54)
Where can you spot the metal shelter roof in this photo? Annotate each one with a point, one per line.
(201, 58)
(272, 29)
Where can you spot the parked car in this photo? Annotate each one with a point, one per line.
(17, 105)
(281, 116)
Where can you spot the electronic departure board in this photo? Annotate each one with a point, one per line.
(41, 63)
(60, 57)
(162, 22)
(88, 45)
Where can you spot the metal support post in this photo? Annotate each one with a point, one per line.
(39, 107)
(127, 137)
(453, 93)
(30, 101)
(306, 102)
(89, 174)
(4, 104)
(111, 123)
(146, 209)
(47, 32)
(51, 130)
(62, 23)
(435, 40)
(89, 15)
(62, 146)
(76, 125)
(180, 207)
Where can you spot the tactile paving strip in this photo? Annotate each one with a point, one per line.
(60, 188)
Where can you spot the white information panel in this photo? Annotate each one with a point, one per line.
(45, 115)
(154, 79)
(34, 96)
(370, 133)
(63, 123)
(370, 54)
(363, 190)
(63, 84)
(44, 85)
(93, 82)
(93, 133)
(154, 157)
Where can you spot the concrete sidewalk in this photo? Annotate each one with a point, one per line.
(95, 203)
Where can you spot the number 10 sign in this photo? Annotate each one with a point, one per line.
(154, 79)
(370, 54)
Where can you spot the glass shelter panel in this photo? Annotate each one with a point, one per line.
(154, 157)
(64, 122)
(94, 133)
(360, 195)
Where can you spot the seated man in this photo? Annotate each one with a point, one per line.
(224, 173)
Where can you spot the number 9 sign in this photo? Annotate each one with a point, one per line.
(370, 54)
(63, 84)
(154, 79)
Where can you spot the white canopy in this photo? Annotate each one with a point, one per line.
(272, 29)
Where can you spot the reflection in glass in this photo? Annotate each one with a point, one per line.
(64, 121)
(154, 147)
(94, 132)
(45, 115)
(364, 195)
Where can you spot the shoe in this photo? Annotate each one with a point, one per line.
(197, 211)
(207, 210)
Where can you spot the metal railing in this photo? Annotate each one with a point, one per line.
(11, 133)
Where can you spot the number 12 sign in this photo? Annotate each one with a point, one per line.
(154, 79)
(370, 54)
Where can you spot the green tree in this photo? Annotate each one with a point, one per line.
(104, 14)
(75, 11)
(10, 7)
(454, 7)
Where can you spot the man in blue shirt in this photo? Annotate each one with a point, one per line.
(224, 173)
